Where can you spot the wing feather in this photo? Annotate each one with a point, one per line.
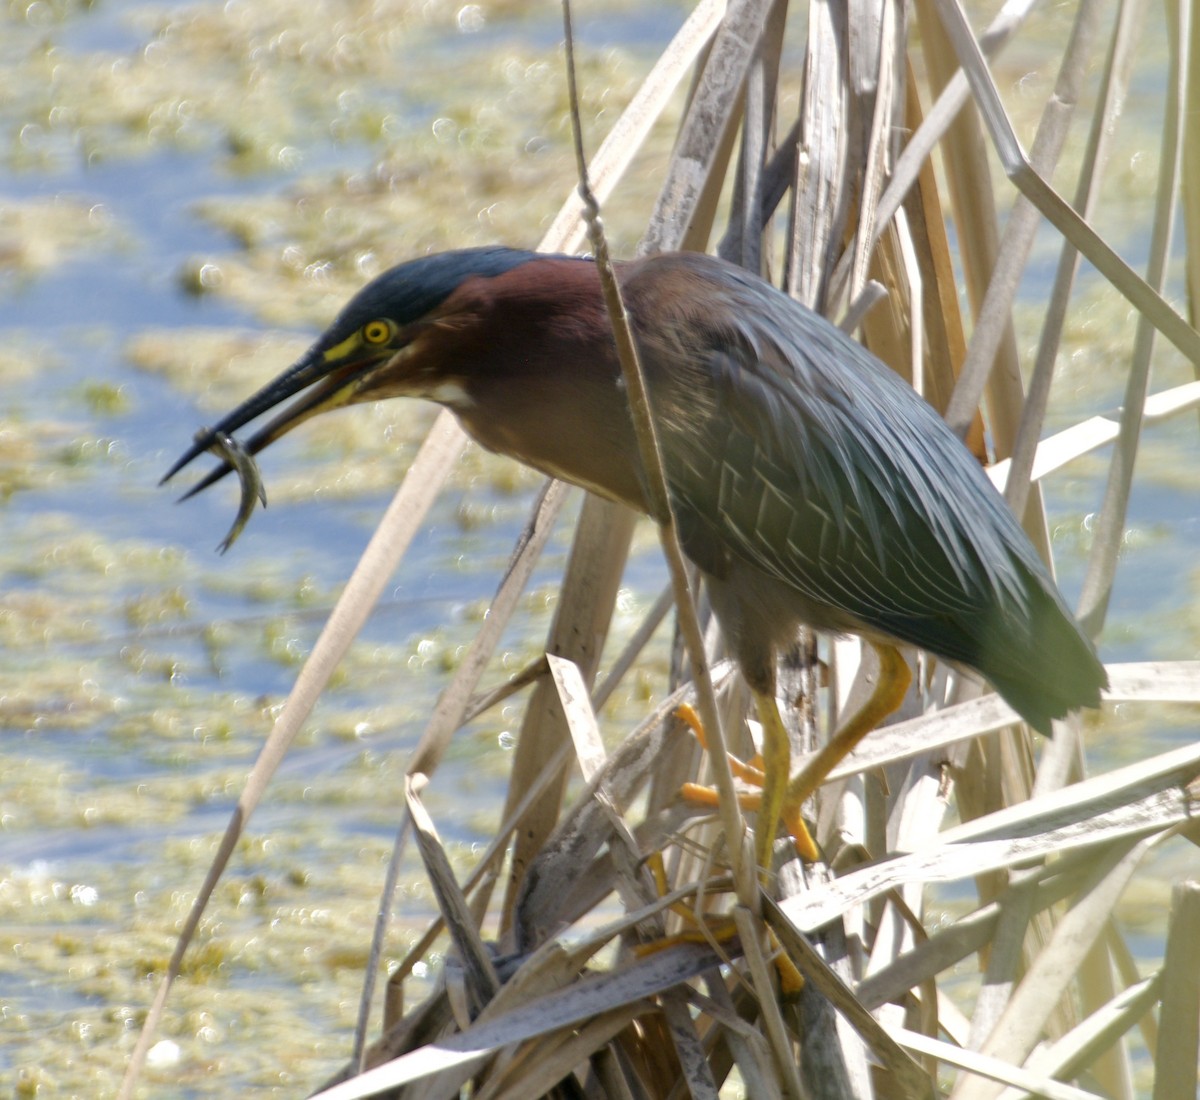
(793, 449)
(834, 477)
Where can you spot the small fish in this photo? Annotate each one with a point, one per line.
(228, 448)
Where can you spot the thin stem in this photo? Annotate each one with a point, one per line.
(659, 499)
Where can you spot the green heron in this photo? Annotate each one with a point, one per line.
(810, 484)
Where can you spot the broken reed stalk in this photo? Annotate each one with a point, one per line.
(660, 501)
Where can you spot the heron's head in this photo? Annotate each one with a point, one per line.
(386, 342)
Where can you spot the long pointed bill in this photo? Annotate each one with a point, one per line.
(331, 388)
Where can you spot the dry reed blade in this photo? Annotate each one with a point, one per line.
(1127, 970)
(689, 1050)
(945, 341)
(582, 618)
(913, 160)
(1147, 797)
(482, 702)
(754, 944)
(1178, 1053)
(906, 1075)
(742, 242)
(710, 117)
(990, 1068)
(1004, 956)
(971, 193)
(967, 935)
(581, 719)
(1076, 1051)
(876, 107)
(1142, 682)
(820, 198)
(1190, 191)
(1145, 299)
(537, 1068)
(734, 1040)
(610, 1075)
(401, 521)
(634, 888)
(1056, 451)
(1114, 85)
(1020, 1025)
(1107, 534)
(583, 830)
(449, 713)
(985, 365)
(486, 865)
(623, 141)
(462, 1052)
(482, 982)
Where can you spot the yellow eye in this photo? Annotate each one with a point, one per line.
(377, 332)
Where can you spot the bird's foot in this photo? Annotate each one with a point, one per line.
(717, 930)
(750, 801)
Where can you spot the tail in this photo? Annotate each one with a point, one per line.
(1046, 668)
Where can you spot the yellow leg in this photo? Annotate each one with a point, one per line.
(777, 759)
(782, 799)
(771, 779)
(751, 773)
(749, 801)
(889, 692)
